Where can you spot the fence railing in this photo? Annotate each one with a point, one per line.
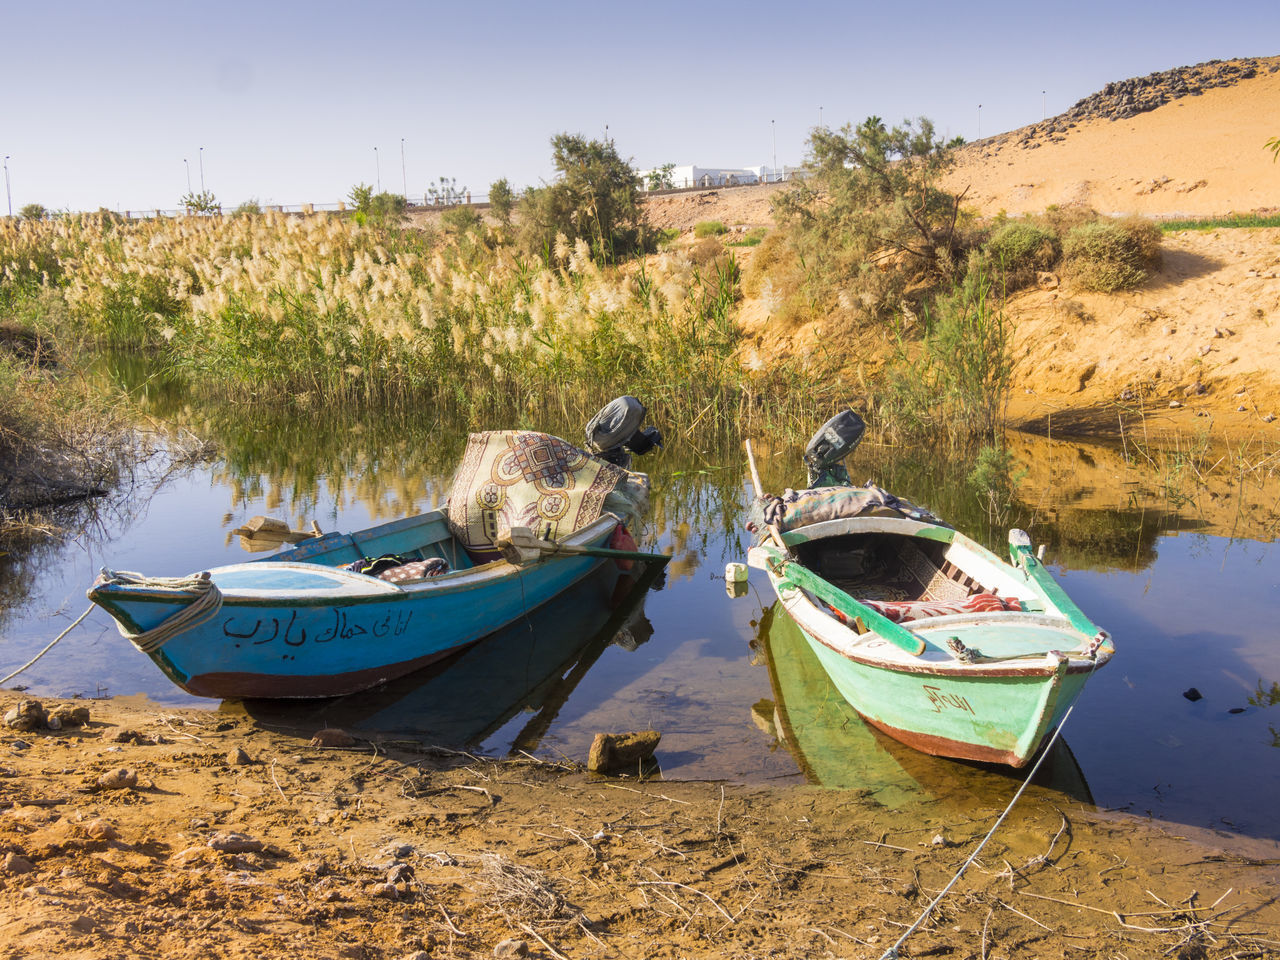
(428, 203)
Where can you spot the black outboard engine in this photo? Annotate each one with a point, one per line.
(616, 432)
(834, 441)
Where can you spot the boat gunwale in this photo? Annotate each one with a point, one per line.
(468, 578)
(803, 608)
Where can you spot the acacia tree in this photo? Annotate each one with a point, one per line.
(596, 198)
(870, 210)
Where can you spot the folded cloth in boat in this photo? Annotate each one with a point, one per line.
(799, 508)
(394, 568)
(416, 570)
(906, 610)
(518, 478)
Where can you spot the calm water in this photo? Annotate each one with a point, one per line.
(1186, 581)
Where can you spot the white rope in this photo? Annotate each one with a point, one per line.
(892, 952)
(48, 647)
(207, 603)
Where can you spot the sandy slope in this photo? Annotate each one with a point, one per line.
(1196, 155)
(1200, 340)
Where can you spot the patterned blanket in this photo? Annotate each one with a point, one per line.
(516, 478)
(908, 610)
(800, 508)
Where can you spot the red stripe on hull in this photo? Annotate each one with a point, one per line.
(257, 686)
(956, 749)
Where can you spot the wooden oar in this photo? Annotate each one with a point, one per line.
(522, 545)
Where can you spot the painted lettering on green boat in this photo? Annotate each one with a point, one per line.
(942, 700)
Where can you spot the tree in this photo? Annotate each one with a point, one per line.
(502, 200)
(379, 208)
(201, 203)
(870, 216)
(659, 178)
(33, 211)
(597, 198)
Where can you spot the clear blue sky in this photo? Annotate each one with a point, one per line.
(103, 101)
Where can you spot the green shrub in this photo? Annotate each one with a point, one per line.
(502, 200)
(1112, 255)
(460, 219)
(596, 198)
(1019, 249)
(709, 228)
(751, 238)
(33, 211)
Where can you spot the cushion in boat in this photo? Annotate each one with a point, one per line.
(902, 611)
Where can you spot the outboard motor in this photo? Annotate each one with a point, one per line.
(616, 432)
(835, 440)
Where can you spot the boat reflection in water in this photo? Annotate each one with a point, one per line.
(531, 666)
(834, 747)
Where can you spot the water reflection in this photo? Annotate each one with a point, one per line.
(531, 667)
(833, 747)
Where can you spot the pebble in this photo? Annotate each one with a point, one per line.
(1174, 404)
(121, 778)
(333, 737)
(234, 843)
(417, 955)
(100, 829)
(16, 864)
(400, 873)
(612, 751)
(511, 948)
(19, 745)
(238, 757)
(1270, 417)
(27, 715)
(387, 890)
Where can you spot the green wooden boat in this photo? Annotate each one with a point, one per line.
(834, 748)
(928, 635)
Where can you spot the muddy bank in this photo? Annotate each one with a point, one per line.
(149, 832)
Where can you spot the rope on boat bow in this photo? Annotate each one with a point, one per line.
(207, 603)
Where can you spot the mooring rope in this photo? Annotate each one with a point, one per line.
(48, 647)
(892, 952)
(207, 603)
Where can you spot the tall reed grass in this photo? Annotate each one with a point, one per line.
(325, 310)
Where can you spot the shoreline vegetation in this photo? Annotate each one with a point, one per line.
(562, 296)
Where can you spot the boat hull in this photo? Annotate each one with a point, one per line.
(998, 704)
(307, 631)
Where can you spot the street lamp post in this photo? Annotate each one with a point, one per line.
(202, 169)
(979, 121)
(378, 165)
(8, 195)
(773, 131)
(404, 181)
(1043, 113)
(188, 166)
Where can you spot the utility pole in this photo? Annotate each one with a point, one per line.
(979, 121)
(773, 130)
(7, 194)
(404, 182)
(188, 166)
(378, 164)
(1043, 113)
(202, 169)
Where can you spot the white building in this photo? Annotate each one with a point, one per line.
(690, 175)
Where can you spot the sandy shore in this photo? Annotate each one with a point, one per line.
(151, 832)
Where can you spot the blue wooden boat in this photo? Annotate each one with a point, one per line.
(301, 624)
(929, 636)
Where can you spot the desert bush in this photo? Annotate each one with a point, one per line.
(502, 200)
(596, 199)
(33, 211)
(1112, 255)
(869, 221)
(250, 208)
(461, 219)
(709, 228)
(1018, 249)
(955, 383)
(752, 238)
